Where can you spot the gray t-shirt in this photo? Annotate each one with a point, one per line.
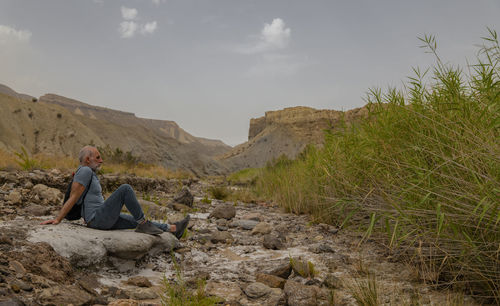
(94, 198)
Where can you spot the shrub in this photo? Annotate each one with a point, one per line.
(219, 192)
(423, 168)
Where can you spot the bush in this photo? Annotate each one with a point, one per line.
(219, 192)
(424, 167)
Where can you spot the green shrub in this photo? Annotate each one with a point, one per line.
(245, 177)
(219, 192)
(423, 168)
(25, 161)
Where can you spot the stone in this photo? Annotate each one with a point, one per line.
(37, 210)
(244, 224)
(321, 248)
(272, 242)
(139, 281)
(181, 207)
(184, 197)
(302, 267)
(262, 228)
(252, 216)
(50, 195)
(257, 290)
(152, 210)
(270, 280)
(124, 302)
(63, 295)
(22, 285)
(84, 246)
(225, 291)
(221, 236)
(17, 267)
(284, 270)
(226, 211)
(331, 281)
(143, 294)
(6, 240)
(14, 197)
(299, 295)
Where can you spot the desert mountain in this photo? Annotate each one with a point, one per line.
(287, 132)
(59, 125)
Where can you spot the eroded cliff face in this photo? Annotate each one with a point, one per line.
(58, 125)
(287, 132)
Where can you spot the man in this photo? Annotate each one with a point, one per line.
(105, 214)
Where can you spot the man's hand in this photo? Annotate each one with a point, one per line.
(53, 221)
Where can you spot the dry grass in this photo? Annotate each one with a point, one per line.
(9, 160)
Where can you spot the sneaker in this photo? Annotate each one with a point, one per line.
(148, 228)
(181, 227)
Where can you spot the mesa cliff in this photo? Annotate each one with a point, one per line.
(286, 132)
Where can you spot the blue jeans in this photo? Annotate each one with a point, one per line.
(109, 215)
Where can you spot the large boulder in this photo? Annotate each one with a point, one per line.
(47, 194)
(226, 211)
(85, 246)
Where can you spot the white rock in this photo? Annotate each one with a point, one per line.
(85, 246)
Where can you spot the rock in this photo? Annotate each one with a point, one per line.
(85, 246)
(270, 280)
(252, 216)
(15, 287)
(332, 281)
(257, 290)
(221, 236)
(50, 195)
(181, 207)
(37, 210)
(17, 267)
(124, 302)
(143, 294)
(184, 197)
(284, 270)
(63, 295)
(244, 224)
(22, 285)
(139, 281)
(272, 242)
(300, 295)
(11, 302)
(152, 210)
(15, 197)
(6, 240)
(262, 228)
(321, 248)
(222, 228)
(226, 211)
(225, 291)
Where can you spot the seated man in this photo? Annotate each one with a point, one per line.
(105, 215)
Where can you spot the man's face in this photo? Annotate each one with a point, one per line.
(95, 160)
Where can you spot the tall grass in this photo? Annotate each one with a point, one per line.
(423, 168)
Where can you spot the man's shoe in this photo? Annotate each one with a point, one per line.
(181, 227)
(148, 228)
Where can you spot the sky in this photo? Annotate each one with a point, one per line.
(211, 65)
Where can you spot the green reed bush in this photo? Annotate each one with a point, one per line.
(423, 167)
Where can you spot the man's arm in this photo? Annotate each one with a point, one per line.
(77, 190)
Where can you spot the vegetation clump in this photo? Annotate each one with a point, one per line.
(423, 168)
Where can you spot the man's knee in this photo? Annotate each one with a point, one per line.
(126, 188)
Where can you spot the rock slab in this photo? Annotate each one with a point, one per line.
(84, 246)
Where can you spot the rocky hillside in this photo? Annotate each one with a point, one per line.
(287, 132)
(58, 125)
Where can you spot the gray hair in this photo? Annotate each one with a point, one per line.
(84, 152)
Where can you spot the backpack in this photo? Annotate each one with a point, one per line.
(76, 212)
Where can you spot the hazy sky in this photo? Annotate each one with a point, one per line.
(211, 65)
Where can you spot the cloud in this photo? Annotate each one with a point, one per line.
(128, 29)
(157, 2)
(129, 13)
(274, 36)
(11, 35)
(149, 28)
